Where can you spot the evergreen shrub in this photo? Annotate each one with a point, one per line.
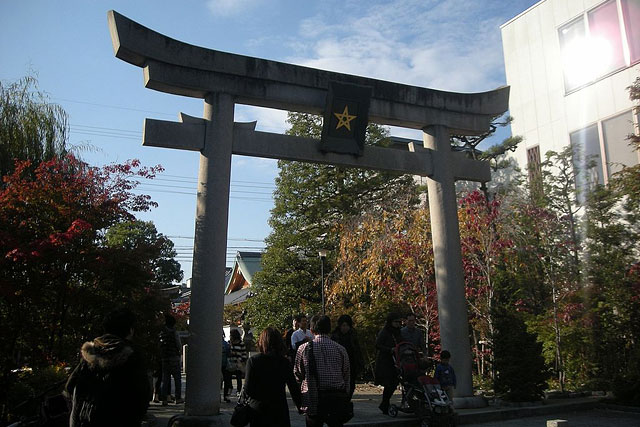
(521, 372)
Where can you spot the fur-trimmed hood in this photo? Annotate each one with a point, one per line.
(106, 352)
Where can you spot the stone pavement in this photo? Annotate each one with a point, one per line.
(581, 412)
(587, 418)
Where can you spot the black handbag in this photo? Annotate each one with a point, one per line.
(336, 405)
(242, 413)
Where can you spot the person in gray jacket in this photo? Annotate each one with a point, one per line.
(413, 335)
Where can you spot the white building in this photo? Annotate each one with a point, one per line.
(568, 63)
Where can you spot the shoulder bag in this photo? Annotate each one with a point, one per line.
(242, 413)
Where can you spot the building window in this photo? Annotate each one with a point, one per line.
(587, 162)
(575, 61)
(588, 148)
(631, 15)
(615, 132)
(605, 38)
(598, 42)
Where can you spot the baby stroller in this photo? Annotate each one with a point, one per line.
(421, 394)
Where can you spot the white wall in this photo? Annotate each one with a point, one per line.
(543, 114)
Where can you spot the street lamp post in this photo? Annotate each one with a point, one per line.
(322, 253)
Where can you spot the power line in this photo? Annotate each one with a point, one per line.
(104, 134)
(98, 128)
(193, 178)
(234, 184)
(102, 131)
(230, 249)
(168, 188)
(116, 107)
(109, 130)
(180, 186)
(241, 239)
(193, 193)
(195, 181)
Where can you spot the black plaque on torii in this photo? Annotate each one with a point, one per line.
(345, 118)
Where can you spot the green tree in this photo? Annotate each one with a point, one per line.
(151, 256)
(138, 262)
(626, 182)
(562, 193)
(520, 369)
(610, 252)
(612, 246)
(612, 269)
(31, 128)
(558, 244)
(311, 202)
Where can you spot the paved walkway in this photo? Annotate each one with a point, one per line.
(581, 412)
(587, 418)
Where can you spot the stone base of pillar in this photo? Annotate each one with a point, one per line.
(200, 421)
(469, 402)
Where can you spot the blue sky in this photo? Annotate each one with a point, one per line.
(451, 45)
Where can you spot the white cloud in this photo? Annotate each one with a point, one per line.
(269, 120)
(228, 7)
(264, 166)
(450, 45)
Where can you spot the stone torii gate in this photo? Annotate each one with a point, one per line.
(222, 80)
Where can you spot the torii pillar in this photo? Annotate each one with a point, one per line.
(209, 256)
(445, 233)
(222, 80)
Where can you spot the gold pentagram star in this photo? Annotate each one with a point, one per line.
(344, 119)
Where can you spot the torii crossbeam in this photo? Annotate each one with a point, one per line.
(224, 79)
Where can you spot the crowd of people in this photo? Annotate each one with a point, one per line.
(319, 365)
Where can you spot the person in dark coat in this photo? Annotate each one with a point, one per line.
(109, 387)
(291, 351)
(346, 336)
(170, 351)
(266, 375)
(385, 371)
(156, 362)
(237, 358)
(226, 375)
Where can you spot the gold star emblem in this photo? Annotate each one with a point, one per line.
(344, 119)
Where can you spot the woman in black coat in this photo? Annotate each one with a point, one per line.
(385, 373)
(266, 375)
(346, 336)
